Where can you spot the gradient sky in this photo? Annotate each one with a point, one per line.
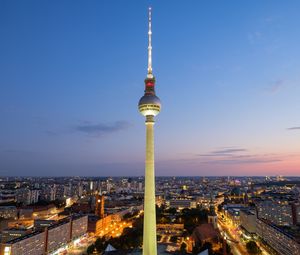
(71, 75)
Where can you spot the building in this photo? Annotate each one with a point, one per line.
(8, 212)
(248, 221)
(149, 106)
(172, 229)
(7, 196)
(33, 196)
(232, 212)
(296, 213)
(25, 213)
(212, 216)
(181, 203)
(140, 187)
(99, 205)
(283, 242)
(22, 195)
(79, 227)
(32, 244)
(49, 239)
(103, 226)
(80, 190)
(58, 235)
(28, 196)
(279, 212)
(48, 192)
(206, 233)
(13, 233)
(92, 221)
(42, 224)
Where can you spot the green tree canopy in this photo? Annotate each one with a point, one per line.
(252, 248)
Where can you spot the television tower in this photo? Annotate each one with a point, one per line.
(149, 106)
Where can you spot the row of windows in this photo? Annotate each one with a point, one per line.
(149, 106)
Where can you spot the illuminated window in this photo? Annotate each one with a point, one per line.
(7, 250)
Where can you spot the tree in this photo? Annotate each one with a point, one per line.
(221, 251)
(171, 210)
(159, 211)
(90, 249)
(228, 248)
(252, 248)
(192, 218)
(100, 244)
(196, 248)
(173, 239)
(127, 215)
(164, 220)
(131, 238)
(220, 207)
(59, 203)
(207, 246)
(183, 247)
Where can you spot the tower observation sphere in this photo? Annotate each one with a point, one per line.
(149, 104)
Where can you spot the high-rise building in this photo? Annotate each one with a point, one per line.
(92, 186)
(278, 212)
(80, 190)
(149, 106)
(47, 240)
(140, 186)
(52, 192)
(33, 196)
(7, 196)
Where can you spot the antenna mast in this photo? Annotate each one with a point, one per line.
(150, 75)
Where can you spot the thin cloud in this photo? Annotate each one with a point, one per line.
(246, 159)
(101, 128)
(227, 151)
(293, 128)
(254, 160)
(233, 156)
(276, 86)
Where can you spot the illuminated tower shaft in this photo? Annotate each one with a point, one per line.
(149, 106)
(149, 238)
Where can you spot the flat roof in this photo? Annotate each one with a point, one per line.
(57, 224)
(24, 237)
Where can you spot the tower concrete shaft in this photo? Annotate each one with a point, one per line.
(149, 237)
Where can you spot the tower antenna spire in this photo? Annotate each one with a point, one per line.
(150, 75)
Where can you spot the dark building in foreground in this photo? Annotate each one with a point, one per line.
(282, 240)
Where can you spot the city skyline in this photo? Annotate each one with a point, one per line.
(72, 73)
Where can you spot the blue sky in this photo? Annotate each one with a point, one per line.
(72, 73)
